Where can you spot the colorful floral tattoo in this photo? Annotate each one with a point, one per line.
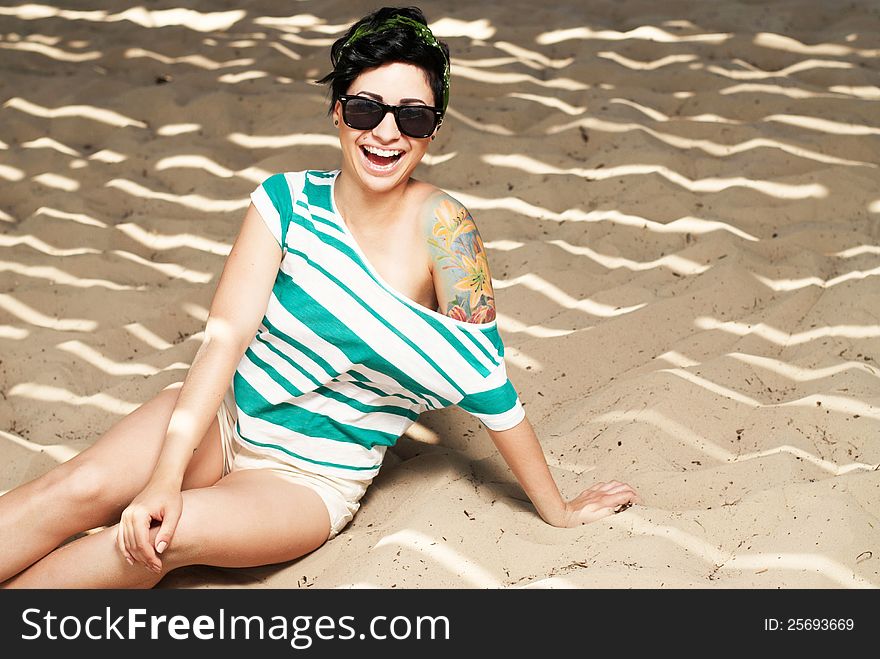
(459, 252)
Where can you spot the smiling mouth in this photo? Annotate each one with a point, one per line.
(381, 158)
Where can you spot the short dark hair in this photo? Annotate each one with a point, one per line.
(399, 43)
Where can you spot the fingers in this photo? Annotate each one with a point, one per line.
(622, 487)
(619, 501)
(120, 543)
(134, 536)
(611, 487)
(602, 486)
(169, 524)
(146, 553)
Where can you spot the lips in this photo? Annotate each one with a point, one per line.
(381, 160)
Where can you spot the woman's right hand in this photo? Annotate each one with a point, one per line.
(156, 503)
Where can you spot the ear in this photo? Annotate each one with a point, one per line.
(337, 114)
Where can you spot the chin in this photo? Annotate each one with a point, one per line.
(383, 184)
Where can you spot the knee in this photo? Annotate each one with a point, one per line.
(82, 482)
(201, 538)
(188, 544)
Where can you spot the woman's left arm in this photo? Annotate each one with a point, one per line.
(520, 448)
(463, 285)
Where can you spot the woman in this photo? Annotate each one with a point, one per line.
(351, 301)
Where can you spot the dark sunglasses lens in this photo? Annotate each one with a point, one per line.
(361, 113)
(417, 121)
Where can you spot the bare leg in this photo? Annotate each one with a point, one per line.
(93, 488)
(251, 517)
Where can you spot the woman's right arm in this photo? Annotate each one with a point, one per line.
(237, 309)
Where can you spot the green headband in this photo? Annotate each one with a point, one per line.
(422, 30)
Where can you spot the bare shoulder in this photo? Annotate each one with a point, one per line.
(460, 266)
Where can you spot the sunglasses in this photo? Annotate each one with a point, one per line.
(416, 121)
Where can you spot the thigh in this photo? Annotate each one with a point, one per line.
(123, 458)
(249, 518)
(137, 441)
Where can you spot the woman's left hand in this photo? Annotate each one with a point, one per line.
(598, 501)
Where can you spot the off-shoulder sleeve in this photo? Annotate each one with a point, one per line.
(493, 399)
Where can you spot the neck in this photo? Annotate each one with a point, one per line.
(362, 207)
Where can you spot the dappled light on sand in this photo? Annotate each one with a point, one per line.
(783, 338)
(470, 572)
(836, 575)
(145, 18)
(51, 394)
(782, 191)
(681, 218)
(58, 452)
(30, 316)
(90, 112)
(680, 433)
(707, 146)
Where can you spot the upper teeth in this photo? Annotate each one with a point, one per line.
(382, 152)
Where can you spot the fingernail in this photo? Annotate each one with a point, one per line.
(130, 562)
(161, 547)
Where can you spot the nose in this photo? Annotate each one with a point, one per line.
(387, 130)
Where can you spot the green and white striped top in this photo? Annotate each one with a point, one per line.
(342, 363)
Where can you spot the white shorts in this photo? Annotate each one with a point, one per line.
(340, 495)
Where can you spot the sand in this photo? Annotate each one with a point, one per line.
(681, 207)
